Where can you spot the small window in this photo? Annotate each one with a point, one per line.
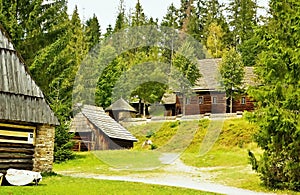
(243, 100)
(201, 100)
(214, 100)
(187, 100)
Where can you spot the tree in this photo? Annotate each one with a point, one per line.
(214, 43)
(242, 19)
(54, 69)
(232, 74)
(171, 18)
(138, 17)
(92, 32)
(277, 97)
(121, 21)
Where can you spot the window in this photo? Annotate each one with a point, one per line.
(187, 100)
(214, 100)
(243, 100)
(201, 100)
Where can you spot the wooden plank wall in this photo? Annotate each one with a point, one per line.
(238, 106)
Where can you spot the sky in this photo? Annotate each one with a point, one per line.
(106, 11)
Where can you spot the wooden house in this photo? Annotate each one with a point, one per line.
(121, 110)
(208, 95)
(95, 130)
(27, 124)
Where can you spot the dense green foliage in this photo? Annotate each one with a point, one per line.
(232, 74)
(278, 105)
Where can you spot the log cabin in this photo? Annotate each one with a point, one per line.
(94, 130)
(208, 95)
(27, 123)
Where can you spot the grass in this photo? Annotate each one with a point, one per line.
(67, 185)
(120, 162)
(227, 159)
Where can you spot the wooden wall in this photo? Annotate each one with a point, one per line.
(238, 106)
(17, 145)
(14, 155)
(194, 107)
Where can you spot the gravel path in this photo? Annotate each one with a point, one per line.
(175, 174)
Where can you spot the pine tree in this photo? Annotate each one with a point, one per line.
(278, 105)
(92, 32)
(122, 21)
(242, 19)
(138, 18)
(171, 18)
(54, 69)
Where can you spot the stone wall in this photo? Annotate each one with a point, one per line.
(44, 148)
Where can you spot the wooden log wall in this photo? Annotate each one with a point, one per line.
(16, 146)
(17, 156)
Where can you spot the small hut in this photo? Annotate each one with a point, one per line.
(121, 110)
(171, 104)
(27, 124)
(95, 130)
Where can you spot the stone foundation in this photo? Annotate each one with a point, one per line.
(44, 148)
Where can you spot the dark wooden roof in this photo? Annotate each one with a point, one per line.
(97, 117)
(210, 79)
(20, 98)
(120, 105)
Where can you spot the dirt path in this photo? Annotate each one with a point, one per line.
(175, 174)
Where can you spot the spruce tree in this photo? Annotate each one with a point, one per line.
(277, 96)
(92, 32)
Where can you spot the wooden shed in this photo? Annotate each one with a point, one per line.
(172, 104)
(27, 124)
(95, 130)
(121, 110)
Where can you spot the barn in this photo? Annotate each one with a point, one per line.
(94, 130)
(27, 124)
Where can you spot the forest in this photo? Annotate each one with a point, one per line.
(54, 44)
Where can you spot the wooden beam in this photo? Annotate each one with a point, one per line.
(16, 166)
(14, 133)
(12, 145)
(21, 161)
(14, 141)
(17, 126)
(14, 156)
(17, 150)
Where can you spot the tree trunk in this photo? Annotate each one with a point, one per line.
(231, 103)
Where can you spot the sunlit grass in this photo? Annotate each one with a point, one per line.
(62, 185)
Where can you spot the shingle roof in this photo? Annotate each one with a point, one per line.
(209, 71)
(20, 98)
(210, 79)
(120, 105)
(79, 124)
(169, 98)
(105, 123)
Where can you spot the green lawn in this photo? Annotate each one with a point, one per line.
(227, 161)
(67, 185)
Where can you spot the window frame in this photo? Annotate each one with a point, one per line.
(214, 98)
